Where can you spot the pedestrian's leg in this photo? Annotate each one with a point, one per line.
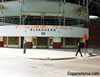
(24, 50)
(76, 53)
(81, 54)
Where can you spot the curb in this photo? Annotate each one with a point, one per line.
(54, 58)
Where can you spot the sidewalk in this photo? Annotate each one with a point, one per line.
(41, 54)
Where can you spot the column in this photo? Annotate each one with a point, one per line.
(29, 41)
(50, 42)
(7, 41)
(56, 42)
(64, 46)
(34, 42)
(19, 42)
(1, 42)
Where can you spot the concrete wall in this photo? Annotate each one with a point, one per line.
(56, 39)
(57, 42)
(42, 8)
(1, 38)
(29, 41)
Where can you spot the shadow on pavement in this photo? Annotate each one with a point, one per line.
(93, 55)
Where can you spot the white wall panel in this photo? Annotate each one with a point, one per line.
(57, 39)
(57, 31)
(28, 39)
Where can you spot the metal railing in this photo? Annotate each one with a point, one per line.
(16, 21)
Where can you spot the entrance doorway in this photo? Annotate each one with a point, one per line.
(22, 38)
(42, 42)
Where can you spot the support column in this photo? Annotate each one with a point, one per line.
(34, 42)
(19, 42)
(50, 42)
(29, 41)
(1, 42)
(56, 42)
(64, 46)
(7, 41)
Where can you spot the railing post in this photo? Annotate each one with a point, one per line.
(64, 11)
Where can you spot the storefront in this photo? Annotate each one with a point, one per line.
(11, 41)
(38, 36)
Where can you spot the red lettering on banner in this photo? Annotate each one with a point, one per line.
(17, 26)
(63, 27)
(44, 26)
(70, 27)
(55, 27)
(35, 26)
(26, 26)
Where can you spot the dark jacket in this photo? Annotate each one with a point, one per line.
(79, 47)
(25, 45)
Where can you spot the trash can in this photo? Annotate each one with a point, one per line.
(90, 51)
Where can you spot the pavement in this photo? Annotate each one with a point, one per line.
(49, 63)
(44, 54)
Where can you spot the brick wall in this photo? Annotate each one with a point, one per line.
(94, 35)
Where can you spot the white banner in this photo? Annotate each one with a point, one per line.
(43, 31)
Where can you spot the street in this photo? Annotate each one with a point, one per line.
(15, 66)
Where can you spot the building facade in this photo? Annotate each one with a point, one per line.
(94, 31)
(42, 23)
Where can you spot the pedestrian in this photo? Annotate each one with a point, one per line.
(79, 50)
(24, 46)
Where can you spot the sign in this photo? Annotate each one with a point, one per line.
(47, 31)
(85, 37)
(42, 33)
(43, 27)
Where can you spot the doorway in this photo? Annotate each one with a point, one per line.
(42, 42)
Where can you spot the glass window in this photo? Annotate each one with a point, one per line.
(42, 41)
(13, 40)
(71, 41)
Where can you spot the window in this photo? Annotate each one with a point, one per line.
(71, 41)
(13, 40)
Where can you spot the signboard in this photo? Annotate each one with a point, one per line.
(43, 31)
(85, 37)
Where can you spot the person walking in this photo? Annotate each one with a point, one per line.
(79, 50)
(24, 46)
